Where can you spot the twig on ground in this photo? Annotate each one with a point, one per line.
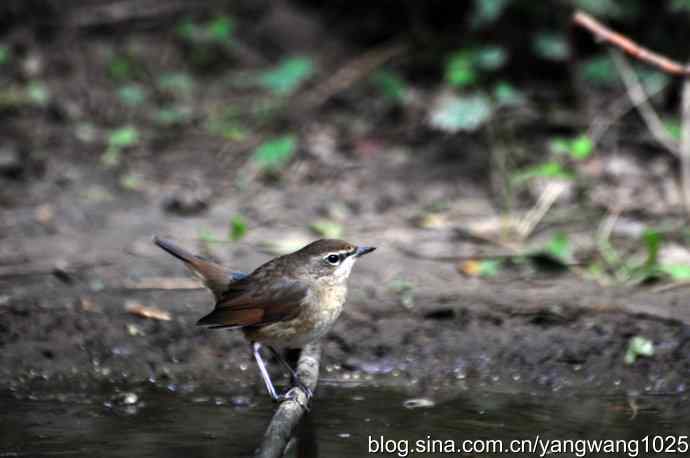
(607, 35)
(639, 96)
(546, 200)
(290, 411)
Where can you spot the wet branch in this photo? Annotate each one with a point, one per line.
(290, 412)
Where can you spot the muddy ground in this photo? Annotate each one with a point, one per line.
(75, 247)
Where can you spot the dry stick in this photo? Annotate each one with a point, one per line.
(685, 143)
(290, 412)
(607, 35)
(546, 200)
(639, 96)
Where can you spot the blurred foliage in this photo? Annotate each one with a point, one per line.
(391, 85)
(117, 141)
(327, 228)
(638, 346)
(238, 228)
(288, 75)
(273, 155)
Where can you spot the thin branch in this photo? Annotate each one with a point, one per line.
(603, 123)
(639, 96)
(685, 144)
(290, 412)
(619, 40)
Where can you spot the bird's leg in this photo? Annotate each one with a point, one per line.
(293, 374)
(256, 349)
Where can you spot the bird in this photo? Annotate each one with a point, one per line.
(285, 303)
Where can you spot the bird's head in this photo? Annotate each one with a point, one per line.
(330, 259)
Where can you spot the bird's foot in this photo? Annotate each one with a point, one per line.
(293, 395)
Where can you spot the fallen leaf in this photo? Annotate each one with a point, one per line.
(154, 313)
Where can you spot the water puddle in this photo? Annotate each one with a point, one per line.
(344, 422)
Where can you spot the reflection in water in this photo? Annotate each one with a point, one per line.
(341, 424)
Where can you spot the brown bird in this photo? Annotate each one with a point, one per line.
(285, 303)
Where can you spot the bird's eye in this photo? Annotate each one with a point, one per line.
(333, 259)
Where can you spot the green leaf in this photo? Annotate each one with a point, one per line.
(581, 147)
(652, 241)
(507, 95)
(132, 94)
(327, 228)
(544, 170)
(390, 84)
(551, 46)
(238, 228)
(491, 57)
(288, 76)
(559, 247)
(638, 346)
(123, 137)
(488, 11)
(220, 29)
(677, 272)
(460, 70)
(275, 154)
(38, 93)
(578, 148)
(489, 267)
(455, 113)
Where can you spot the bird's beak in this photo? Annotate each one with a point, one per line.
(362, 250)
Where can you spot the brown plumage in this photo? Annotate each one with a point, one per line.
(287, 302)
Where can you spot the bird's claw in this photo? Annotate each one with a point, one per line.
(292, 395)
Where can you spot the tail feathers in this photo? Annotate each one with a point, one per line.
(215, 277)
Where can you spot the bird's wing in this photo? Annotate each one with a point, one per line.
(250, 303)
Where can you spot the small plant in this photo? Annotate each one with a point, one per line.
(238, 228)
(638, 346)
(132, 95)
(273, 155)
(218, 30)
(288, 75)
(119, 140)
(578, 148)
(455, 113)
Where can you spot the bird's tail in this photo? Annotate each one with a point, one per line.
(214, 276)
